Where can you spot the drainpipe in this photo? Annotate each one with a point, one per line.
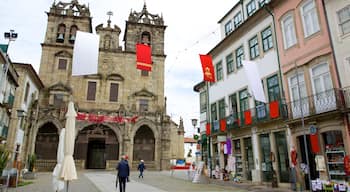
(269, 11)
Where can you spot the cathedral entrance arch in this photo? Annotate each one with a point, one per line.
(144, 144)
(46, 142)
(96, 144)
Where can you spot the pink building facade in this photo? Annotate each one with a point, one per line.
(315, 103)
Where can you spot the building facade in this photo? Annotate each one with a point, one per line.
(255, 130)
(338, 18)
(8, 85)
(26, 95)
(306, 109)
(315, 101)
(121, 110)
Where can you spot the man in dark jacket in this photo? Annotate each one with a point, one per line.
(141, 167)
(123, 173)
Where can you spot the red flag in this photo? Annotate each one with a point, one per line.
(208, 68)
(143, 57)
(207, 129)
(314, 143)
(247, 117)
(223, 124)
(274, 110)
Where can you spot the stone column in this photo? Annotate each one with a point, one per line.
(256, 173)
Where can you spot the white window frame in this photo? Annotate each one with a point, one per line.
(228, 27)
(321, 76)
(324, 99)
(295, 102)
(237, 19)
(288, 35)
(309, 18)
(341, 23)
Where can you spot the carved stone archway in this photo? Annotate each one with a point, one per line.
(46, 141)
(96, 144)
(144, 144)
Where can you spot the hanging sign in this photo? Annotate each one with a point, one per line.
(314, 139)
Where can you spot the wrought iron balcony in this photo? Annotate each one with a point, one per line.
(330, 100)
(262, 113)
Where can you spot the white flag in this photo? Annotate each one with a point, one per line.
(85, 53)
(253, 76)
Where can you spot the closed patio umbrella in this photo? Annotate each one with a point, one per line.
(68, 171)
(57, 183)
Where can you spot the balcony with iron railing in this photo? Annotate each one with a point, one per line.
(263, 113)
(333, 100)
(317, 104)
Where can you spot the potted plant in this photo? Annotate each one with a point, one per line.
(4, 158)
(31, 163)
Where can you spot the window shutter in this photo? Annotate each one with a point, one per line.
(113, 92)
(91, 92)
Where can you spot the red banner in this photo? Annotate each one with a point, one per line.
(223, 125)
(315, 148)
(104, 118)
(208, 68)
(247, 117)
(143, 57)
(207, 129)
(274, 109)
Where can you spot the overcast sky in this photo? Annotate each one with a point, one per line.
(192, 29)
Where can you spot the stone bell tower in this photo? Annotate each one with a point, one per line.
(144, 27)
(64, 20)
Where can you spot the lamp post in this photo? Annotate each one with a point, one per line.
(194, 123)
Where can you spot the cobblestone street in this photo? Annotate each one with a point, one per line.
(104, 181)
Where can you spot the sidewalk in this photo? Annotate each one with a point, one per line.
(249, 186)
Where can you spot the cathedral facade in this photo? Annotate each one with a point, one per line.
(121, 109)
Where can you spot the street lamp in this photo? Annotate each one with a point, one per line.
(194, 122)
(11, 36)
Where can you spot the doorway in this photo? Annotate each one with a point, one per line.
(312, 164)
(96, 154)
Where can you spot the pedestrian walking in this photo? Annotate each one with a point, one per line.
(141, 167)
(123, 173)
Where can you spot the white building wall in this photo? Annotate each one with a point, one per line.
(340, 41)
(237, 80)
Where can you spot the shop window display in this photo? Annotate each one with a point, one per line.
(335, 153)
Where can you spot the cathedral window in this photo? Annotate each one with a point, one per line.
(58, 100)
(146, 38)
(143, 105)
(62, 63)
(60, 33)
(72, 33)
(91, 91)
(113, 92)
